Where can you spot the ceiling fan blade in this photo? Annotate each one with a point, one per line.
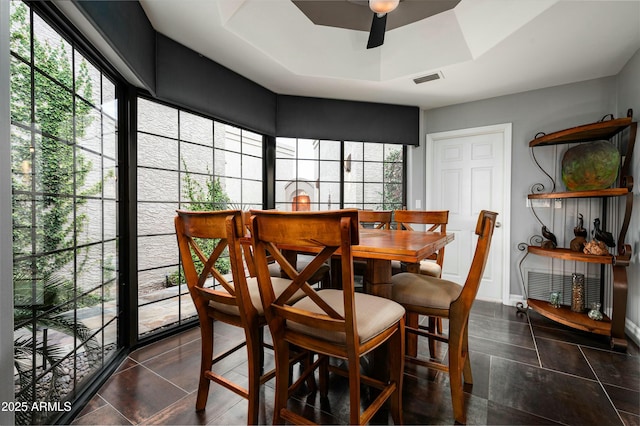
(376, 35)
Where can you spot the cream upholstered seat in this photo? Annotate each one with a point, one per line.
(331, 323)
(279, 285)
(434, 297)
(424, 290)
(375, 315)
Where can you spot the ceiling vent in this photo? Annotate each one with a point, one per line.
(430, 77)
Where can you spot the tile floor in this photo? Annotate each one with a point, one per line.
(527, 370)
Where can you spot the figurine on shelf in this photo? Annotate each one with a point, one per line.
(602, 235)
(596, 247)
(551, 242)
(577, 244)
(595, 313)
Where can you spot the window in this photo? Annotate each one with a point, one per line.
(324, 175)
(307, 174)
(373, 178)
(185, 161)
(65, 203)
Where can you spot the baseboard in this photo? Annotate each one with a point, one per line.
(514, 299)
(632, 330)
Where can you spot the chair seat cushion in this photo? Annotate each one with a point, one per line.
(424, 290)
(373, 315)
(431, 268)
(279, 285)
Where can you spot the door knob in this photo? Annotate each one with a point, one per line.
(498, 224)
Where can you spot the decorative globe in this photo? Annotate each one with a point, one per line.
(590, 166)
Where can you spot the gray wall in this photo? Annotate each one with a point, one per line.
(546, 110)
(629, 97)
(6, 255)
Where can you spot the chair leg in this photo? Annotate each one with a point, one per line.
(255, 357)
(411, 343)
(466, 371)
(206, 357)
(432, 327)
(455, 371)
(323, 373)
(281, 351)
(354, 390)
(396, 372)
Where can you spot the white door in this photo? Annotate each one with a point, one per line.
(469, 170)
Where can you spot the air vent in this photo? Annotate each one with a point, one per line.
(430, 77)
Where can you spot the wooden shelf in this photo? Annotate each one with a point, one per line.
(586, 133)
(566, 254)
(564, 315)
(609, 192)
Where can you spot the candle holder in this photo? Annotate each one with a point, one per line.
(555, 298)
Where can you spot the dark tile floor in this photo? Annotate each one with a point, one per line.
(527, 371)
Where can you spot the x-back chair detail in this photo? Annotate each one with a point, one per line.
(204, 236)
(328, 322)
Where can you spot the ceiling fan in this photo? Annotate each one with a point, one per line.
(380, 9)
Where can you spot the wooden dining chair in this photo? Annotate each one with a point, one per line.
(321, 278)
(377, 219)
(426, 295)
(202, 238)
(373, 219)
(329, 322)
(436, 221)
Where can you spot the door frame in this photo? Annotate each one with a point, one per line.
(504, 218)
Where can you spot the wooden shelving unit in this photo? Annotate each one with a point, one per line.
(566, 316)
(614, 326)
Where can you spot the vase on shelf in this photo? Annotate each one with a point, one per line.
(577, 293)
(595, 313)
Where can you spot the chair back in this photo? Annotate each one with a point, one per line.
(484, 231)
(437, 219)
(202, 238)
(380, 219)
(326, 234)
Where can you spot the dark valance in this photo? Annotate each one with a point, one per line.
(318, 118)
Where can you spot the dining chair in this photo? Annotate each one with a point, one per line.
(377, 219)
(435, 221)
(329, 322)
(202, 238)
(434, 297)
(373, 219)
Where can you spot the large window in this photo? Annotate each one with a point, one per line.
(324, 175)
(190, 162)
(63, 156)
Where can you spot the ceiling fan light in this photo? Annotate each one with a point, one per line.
(383, 6)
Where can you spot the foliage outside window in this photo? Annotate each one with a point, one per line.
(63, 156)
(190, 162)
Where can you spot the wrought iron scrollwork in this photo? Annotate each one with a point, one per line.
(535, 160)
